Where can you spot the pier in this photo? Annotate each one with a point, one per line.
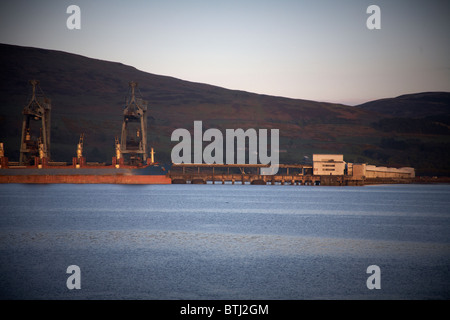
(295, 174)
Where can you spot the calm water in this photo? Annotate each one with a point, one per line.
(224, 241)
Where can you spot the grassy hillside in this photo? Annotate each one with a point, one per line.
(417, 105)
(88, 96)
(415, 130)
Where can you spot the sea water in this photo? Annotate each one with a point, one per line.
(224, 241)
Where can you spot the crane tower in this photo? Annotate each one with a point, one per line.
(35, 141)
(133, 144)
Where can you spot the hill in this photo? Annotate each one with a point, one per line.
(88, 96)
(417, 105)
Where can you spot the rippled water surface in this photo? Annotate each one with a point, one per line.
(224, 241)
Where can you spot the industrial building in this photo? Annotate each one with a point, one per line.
(334, 164)
(328, 164)
(374, 172)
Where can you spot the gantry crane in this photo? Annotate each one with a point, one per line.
(37, 110)
(133, 144)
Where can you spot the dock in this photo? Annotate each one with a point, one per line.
(294, 174)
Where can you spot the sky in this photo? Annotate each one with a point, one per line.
(318, 50)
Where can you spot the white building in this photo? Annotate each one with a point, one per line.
(328, 164)
(362, 170)
(385, 172)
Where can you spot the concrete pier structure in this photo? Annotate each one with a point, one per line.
(327, 169)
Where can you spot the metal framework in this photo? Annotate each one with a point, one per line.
(80, 146)
(133, 144)
(32, 143)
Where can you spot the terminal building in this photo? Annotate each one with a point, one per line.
(328, 164)
(334, 165)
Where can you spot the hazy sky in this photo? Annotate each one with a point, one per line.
(319, 50)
